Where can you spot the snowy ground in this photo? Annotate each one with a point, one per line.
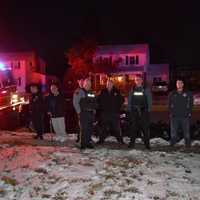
(33, 171)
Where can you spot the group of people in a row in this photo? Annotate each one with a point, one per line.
(108, 104)
(54, 105)
(110, 101)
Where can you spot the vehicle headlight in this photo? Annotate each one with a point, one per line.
(22, 99)
(14, 98)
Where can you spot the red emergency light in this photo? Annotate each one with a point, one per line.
(3, 92)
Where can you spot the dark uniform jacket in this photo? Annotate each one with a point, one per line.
(37, 106)
(56, 105)
(139, 98)
(87, 101)
(110, 102)
(180, 104)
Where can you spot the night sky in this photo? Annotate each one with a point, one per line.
(50, 27)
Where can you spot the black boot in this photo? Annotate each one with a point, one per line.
(131, 145)
(90, 146)
(147, 145)
(120, 140)
(100, 142)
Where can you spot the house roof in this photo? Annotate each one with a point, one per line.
(122, 49)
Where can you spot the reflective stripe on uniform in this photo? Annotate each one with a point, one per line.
(91, 95)
(138, 93)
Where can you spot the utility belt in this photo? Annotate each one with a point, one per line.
(88, 110)
(138, 109)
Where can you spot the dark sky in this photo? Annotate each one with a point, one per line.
(50, 27)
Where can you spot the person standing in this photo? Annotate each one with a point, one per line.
(76, 98)
(139, 107)
(56, 108)
(110, 102)
(86, 104)
(180, 109)
(37, 110)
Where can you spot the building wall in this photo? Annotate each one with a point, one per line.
(25, 67)
(127, 54)
(132, 57)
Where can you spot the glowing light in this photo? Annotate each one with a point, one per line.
(22, 99)
(119, 78)
(2, 66)
(4, 92)
(14, 99)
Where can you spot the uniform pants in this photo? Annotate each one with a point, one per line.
(184, 124)
(110, 123)
(78, 128)
(59, 128)
(140, 123)
(86, 128)
(38, 124)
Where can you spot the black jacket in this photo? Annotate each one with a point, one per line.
(88, 101)
(56, 105)
(110, 102)
(180, 104)
(37, 106)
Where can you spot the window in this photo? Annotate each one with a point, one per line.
(132, 60)
(105, 60)
(137, 60)
(126, 60)
(110, 60)
(11, 65)
(18, 65)
(19, 81)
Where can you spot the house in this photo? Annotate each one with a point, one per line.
(22, 68)
(125, 61)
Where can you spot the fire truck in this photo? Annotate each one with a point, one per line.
(12, 102)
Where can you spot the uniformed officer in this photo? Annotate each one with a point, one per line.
(87, 105)
(180, 108)
(76, 99)
(139, 107)
(110, 102)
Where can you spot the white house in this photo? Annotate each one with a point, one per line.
(129, 60)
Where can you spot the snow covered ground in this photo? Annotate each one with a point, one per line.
(35, 171)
